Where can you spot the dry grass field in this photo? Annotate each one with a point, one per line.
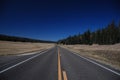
(108, 54)
(8, 48)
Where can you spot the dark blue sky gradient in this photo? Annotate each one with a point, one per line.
(54, 20)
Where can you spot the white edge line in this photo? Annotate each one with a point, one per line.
(22, 62)
(25, 55)
(94, 63)
(28, 53)
(97, 64)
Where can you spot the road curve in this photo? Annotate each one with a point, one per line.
(54, 64)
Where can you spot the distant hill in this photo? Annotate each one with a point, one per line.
(21, 39)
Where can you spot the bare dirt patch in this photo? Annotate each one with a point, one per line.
(7, 47)
(108, 54)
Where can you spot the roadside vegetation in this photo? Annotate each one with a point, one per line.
(102, 45)
(107, 54)
(10, 45)
(105, 36)
(10, 48)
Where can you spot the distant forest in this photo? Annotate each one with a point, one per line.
(108, 35)
(21, 39)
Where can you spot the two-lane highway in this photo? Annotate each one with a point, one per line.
(57, 64)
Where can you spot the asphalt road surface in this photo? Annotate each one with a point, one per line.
(54, 64)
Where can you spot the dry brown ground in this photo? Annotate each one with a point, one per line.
(7, 47)
(108, 54)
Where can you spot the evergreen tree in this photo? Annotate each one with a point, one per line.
(118, 39)
(107, 35)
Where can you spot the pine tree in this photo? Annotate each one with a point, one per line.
(108, 35)
(118, 39)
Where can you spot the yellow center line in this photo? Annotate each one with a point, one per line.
(64, 75)
(59, 67)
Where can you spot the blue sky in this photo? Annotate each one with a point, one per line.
(55, 19)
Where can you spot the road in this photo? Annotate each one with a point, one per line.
(54, 64)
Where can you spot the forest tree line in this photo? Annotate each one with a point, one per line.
(21, 39)
(107, 35)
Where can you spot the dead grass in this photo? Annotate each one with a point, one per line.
(108, 54)
(7, 47)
